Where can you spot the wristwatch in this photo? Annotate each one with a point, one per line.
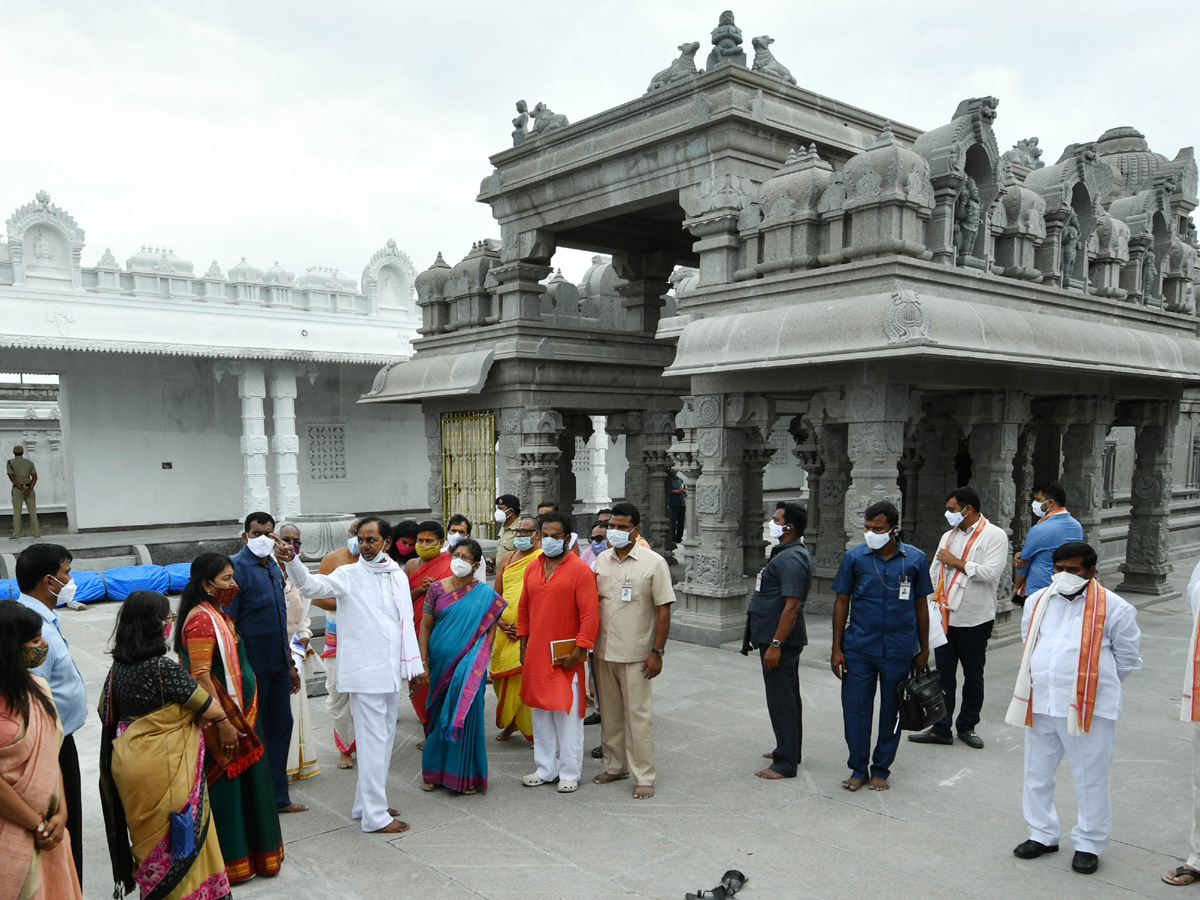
(776, 644)
(656, 650)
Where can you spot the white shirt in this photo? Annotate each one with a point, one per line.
(1056, 656)
(977, 585)
(377, 644)
(1194, 590)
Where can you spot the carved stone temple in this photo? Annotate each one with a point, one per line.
(918, 310)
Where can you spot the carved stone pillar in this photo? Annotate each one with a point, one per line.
(252, 390)
(645, 281)
(831, 536)
(1087, 422)
(285, 444)
(539, 454)
(756, 456)
(940, 229)
(715, 212)
(658, 434)
(1023, 478)
(808, 452)
(876, 417)
(686, 456)
(1147, 549)
(510, 476)
(937, 447)
(433, 452)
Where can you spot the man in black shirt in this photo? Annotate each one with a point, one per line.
(777, 630)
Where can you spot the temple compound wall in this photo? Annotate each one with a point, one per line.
(917, 310)
(186, 399)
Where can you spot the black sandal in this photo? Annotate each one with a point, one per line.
(1178, 873)
(731, 883)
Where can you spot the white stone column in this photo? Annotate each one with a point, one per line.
(252, 389)
(285, 444)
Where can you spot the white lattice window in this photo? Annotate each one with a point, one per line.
(327, 452)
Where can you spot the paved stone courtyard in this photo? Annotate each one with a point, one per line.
(946, 829)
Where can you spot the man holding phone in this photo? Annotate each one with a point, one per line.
(260, 612)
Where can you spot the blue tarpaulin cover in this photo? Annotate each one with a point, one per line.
(123, 581)
(180, 573)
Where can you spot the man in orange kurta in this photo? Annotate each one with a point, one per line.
(558, 603)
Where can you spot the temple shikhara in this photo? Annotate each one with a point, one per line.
(910, 310)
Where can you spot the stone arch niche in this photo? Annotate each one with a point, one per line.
(44, 246)
(965, 148)
(1072, 189)
(388, 280)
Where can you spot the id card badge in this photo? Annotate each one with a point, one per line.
(626, 592)
(905, 590)
(758, 582)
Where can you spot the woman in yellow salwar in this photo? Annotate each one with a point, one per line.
(35, 859)
(511, 713)
(161, 834)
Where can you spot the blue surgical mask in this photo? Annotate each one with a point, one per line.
(553, 547)
(618, 539)
(599, 546)
(352, 545)
(523, 543)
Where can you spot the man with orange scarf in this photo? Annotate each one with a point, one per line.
(430, 565)
(1080, 642)
(1189, 711)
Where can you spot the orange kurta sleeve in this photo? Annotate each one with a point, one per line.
(587, 601)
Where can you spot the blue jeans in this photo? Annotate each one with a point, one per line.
(858, 701)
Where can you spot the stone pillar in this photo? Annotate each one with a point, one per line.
(518, 290)
(657, 436)
(433, 451)
(831, 536)
(686, 456)
(637, 480)
(1147, 549)
(716, 208)
(715, 592)
(756, 456)
(1023, 477)
(285, 444)
(1087, 421)
(876, 416)
(645, 282)
(252, 389)
(808, 453)
(939, 232)
(511, 477)
(539, 454)
(591, 469)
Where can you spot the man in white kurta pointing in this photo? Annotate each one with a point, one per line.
(1080, 642)
(377, 649)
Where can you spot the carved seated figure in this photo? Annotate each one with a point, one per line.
(765, 61)
(545, 119)
(681, 69)
(520, 124)
(727, 44)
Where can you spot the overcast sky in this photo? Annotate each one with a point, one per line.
(311, 132)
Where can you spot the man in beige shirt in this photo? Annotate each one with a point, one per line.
(23, 475)
(635, 591)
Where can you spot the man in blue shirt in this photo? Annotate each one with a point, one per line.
(1055, 527)
(44, 579)
(777, 630)
(886, 583)
(260, 612)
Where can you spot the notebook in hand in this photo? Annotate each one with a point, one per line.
(561, 648)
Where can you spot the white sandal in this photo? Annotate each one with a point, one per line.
(568, 787)
(532, 780)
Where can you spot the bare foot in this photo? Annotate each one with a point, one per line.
(396, 827)
(878, 784)
(506, 733)
(345, 761)
(394, 813)
(643, 792)
(420, 745)
(769, 774)
(606, 777)
(293, 807)
(853, 783)
(770, 755)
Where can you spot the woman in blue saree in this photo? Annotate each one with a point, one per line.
(457, 629)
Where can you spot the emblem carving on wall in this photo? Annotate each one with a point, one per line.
(1147, 487)
(709, 442)
(255, 445)
(708, 410)
(707, 569)
(906, 320)
(708, 498)
(42, 249)
(60, 317)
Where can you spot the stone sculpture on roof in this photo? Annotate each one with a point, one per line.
(1026, 153)
(727, 44)
(1071, 245)
(545, 119)
(966, 218)
(681, 69)
(765, 61)
(520, 124)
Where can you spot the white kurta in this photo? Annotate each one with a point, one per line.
(973, 599)
(377, 644)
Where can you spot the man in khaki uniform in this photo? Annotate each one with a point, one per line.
(635, 591)
(23, 475)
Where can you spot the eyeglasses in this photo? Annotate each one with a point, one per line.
(297, 544)
(524, 532)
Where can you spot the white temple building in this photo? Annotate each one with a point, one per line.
(185, 398)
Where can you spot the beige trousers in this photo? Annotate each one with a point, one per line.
(30, 503)
(627, 724)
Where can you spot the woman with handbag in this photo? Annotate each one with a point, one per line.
(161, 834)
(239, 776)
(35, 854)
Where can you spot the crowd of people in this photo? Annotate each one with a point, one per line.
(199, 748)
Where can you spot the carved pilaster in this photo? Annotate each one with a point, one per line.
(1147, 549)
(808, 453)
(658, 434)
(518, 290)
(539, 453)
(285, 443)
(1023, 477)
(686, 455)
(252, 390)
(875, 417)
(756, 456)
(433, 451)
(1087, 422)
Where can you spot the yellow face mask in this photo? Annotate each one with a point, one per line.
(428, 552)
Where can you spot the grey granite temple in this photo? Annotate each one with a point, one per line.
(921, 309)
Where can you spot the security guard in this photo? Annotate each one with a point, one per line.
(23, 474)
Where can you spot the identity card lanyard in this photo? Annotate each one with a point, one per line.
(904, 585)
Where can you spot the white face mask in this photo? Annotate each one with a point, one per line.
(618, 539)
(954, 518)
(1067, 584)
(65, 593)
(1039, 509)
(877, 541)
(453, 539)
(777, 530)
(461, 567)
(261, 546)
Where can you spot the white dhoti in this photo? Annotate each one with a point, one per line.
(337, 704)
(376, 716)
(557, 741)
(1193, 861)
(1090, 756)
(302, 751)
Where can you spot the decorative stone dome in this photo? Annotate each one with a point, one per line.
(245, 272)
(277, 274)
(798, 186)
(431, 284)
(887, 171)
(599, 279)
(469, 274)
(1132, 161)
(324, 278)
